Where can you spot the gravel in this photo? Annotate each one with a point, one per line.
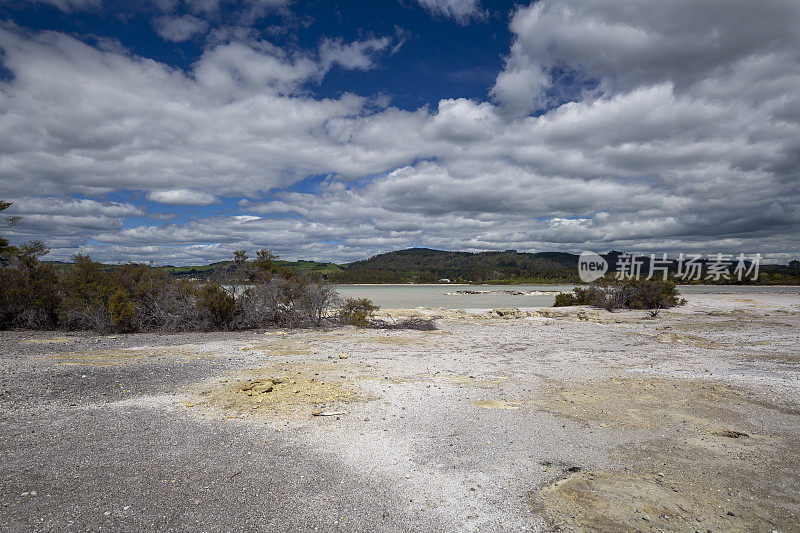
(98, 433)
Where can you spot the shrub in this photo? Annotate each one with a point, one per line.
(135, 297)
(263, 305)
(161, 301)
(287, 302)
(217, 303)
(614, 294)
(357, 311)
(263, 266)
(654, 294)
(316, 299)
(85, 293)
(28, 296)
(121, 310)
(565, 299)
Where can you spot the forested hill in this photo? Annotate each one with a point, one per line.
(423, 265)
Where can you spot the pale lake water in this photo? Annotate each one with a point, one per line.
(443, 296)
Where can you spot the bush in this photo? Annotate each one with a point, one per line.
(160, 301)
(286, 301)
(316, 299)
(134, 297)
(217, 304)
(357, 312)
(28, 295)
(611, 294)
(85, 293)
(120, 310)
(566, 299)
(654, 294)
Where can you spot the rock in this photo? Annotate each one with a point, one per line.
(550, 313)
(730, 433)
(258, 387)
(509, 312)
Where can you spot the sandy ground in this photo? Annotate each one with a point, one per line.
(567, 419)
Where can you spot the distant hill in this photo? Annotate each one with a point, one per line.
(423, 265)
(301, 267)
(223, 267)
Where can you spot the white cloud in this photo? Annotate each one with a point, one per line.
(179, 29)
(462, 11)
(686, 142)
(625, 45)
(65, 222)
(86, 120)
(182, 197)
(239, 12)
(245, 218)
(358, 55)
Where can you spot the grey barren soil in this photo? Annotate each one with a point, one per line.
(558, 419)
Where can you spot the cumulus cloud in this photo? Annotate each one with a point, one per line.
(693, 46)
(65, 222)
(87, 120)
(179, 29)
(678, 135)
(462, 11)
(182, 197)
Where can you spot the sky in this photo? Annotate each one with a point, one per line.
(178, 131)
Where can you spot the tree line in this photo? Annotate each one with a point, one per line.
(86, 295)
(422, 265)
(138, 297)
